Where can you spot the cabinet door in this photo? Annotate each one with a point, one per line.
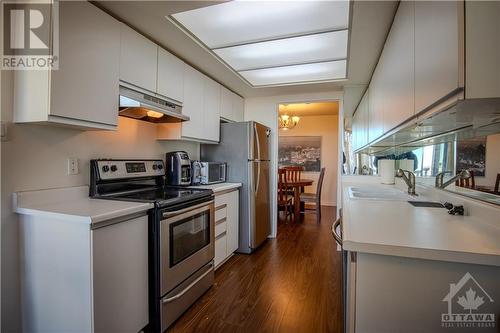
(220, 249)
(482, 49)
(364, 120)
(238, 108)
(226, 104)
(193, 103)
(138, 59)
(211, 109)
(437, 49)
(232, 221)
(170, 75)
(399, 68)
(120, 276)
(376, 121)
(86, 85)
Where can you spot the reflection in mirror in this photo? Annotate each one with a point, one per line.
(480, 156)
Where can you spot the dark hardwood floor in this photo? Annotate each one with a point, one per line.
(291, 284)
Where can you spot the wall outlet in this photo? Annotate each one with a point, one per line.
(73, 166)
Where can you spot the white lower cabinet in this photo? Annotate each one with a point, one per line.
(226, 225)
(120, 263)
(82, 277)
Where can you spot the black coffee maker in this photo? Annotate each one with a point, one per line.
(178, 168)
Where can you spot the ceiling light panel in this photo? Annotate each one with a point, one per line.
(311, 48)
(322, 71)
(239, 22)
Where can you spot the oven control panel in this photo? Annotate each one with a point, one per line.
(116, 169)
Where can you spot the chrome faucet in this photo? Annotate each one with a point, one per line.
(410, 180)
(439, 178)
(464, 174)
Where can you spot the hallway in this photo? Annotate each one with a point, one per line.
(291, 284)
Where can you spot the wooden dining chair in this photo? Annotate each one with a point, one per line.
(497, 184)
(293, 173)
(284, 197)
(468, 183)
(315, 197)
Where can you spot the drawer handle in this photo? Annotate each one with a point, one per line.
(221, 207)
(185, 290)
(222, 220)
(221, 235)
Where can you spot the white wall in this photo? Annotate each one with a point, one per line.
(35, 158)
(265, 111)
(327, 128)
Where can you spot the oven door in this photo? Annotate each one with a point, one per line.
(186, 243)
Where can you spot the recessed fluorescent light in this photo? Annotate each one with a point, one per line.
(322, 71)
(238, 22)
(274, 42)
(311, 48)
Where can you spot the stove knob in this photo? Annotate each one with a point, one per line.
(160, 166)
(105, 168)
(113, 168)
(154, 166)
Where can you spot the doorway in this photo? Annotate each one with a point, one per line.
(307, 143)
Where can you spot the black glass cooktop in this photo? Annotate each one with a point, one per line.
(166, 195)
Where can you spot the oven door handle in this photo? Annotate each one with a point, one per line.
(185, 290)
(338, 238)
(186, 210)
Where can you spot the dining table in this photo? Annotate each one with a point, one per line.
(297, 186)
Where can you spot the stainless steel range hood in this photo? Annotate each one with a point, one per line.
(448, 120)
(140, 106)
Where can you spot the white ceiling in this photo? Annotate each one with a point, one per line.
(370, 23)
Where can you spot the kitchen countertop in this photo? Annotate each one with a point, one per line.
(399, 229)
(219, 187)
(74, 204)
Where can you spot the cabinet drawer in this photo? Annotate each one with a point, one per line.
(220, 248)
(220, 226)
(220, 212)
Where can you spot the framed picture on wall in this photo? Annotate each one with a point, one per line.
(300, 151)
(471, 155)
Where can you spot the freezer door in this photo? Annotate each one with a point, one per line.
(260, 227)
(261, 141)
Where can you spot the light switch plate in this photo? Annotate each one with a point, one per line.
(73, 166)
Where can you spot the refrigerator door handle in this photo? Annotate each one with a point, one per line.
(257, 184)
(256, 134)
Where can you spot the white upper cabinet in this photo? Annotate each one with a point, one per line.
(238, 108)
(211, 109)
(138, 59)
(202, 104)
(83, 92)
(375, 105)
(438, 67)
(399, 68)
(226, 107)
(482, 49)
(232, 105)
(360, 124)
(170, 76)
(194, 83)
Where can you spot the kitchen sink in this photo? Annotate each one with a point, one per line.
(376, 193)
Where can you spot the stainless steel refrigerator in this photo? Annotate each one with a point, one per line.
(245, 146)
